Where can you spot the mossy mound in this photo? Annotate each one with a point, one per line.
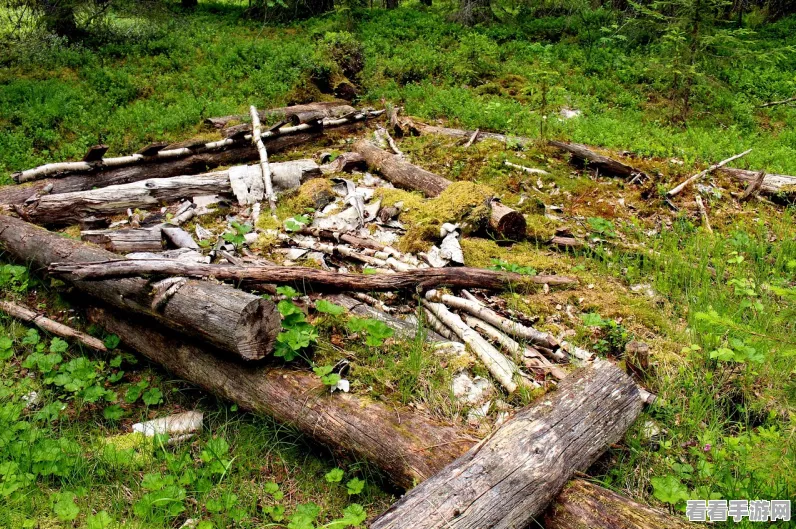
(464, 203)
(315, 194)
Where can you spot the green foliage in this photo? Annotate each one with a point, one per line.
(375, 331)
(236, 236)
(14, 278)
(327, 377)
(611, 336)
(296, 223)
(297, 334)
(334, 476)
(500, 265)
(602, 227)
(327, 307)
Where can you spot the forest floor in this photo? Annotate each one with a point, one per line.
(717, 309)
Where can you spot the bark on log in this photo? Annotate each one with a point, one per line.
(197, 163)
(603, 163)
(507, 480)
(585, 505)
(126, 241)
(406, 445)
(507, 222)
(305, 278)
(240, 323)
(27, 315)
(400, 172)
(331, 109)
(65, 208)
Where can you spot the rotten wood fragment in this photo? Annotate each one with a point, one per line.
(506, 221)
(126, 240)
(96, 153)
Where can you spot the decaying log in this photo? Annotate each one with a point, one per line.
(27, 315)
(308, 116)
(306, 278)
(753, 188)
(65, 208)
(403, 329)
(400, 172)
(331, 109)
(774, 185)
(242, 324)
(406, 445)
(566, 242)
(197, 163)
(506, 221)
(503, 369)
(126, 240)
(168, 155)
(603, 163)
(507, 480)
(585, 505)
(347, 162)
(700, 174)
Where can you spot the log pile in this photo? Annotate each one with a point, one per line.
(188, 307)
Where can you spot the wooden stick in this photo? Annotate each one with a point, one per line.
(258, 142)
(509, 478)
(531, 170)
(501, 367)
(59, 329)
(64, 168)
(754, 186)
(423, 278)
(707, 171)
(775, 103)
(704, 213)
(472, 138)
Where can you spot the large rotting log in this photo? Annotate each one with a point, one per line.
(407, 445)
(504, 220)
(509, 479)
(584, 504)
(331, 109)
(65, 208)
(404, 444)
(235, 321)
(304, 277)
(126, 240)
(103, 177)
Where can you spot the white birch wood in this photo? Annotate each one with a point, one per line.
(707, 171)
(266, 170)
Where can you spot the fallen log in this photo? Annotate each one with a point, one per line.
(408, 446)
(126, 240)
(303, 277)
(707, 171)
(242, 324)
(331, 109)
(509, 479)
(65, 208)
(167, 155)
(778, 186)
(603, 163)
(28, 315)
(197, 163)
(584, 504)
(504, 220)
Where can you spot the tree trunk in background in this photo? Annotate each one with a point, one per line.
(58, 16)
(390, 4)
(473, 12)
(189, 4)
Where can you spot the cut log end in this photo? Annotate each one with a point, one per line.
(256, 329)
(507, 222)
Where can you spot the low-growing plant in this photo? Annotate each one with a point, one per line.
(502, 266)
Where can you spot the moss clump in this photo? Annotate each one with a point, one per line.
(316, 194)
(464, 203)
(132, 450)
(540, 228)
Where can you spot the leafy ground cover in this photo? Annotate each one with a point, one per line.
(717, 310)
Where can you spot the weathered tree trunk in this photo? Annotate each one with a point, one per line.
(66, 208)
(603, 163)
(472, 12)
(504, 220)
(126, 241)
(585, 505)
(235, 321)
(778, 186)
(331, 109)
(400, 172)
(103, 177)
(27, 315)
(406, 445)
(508, 480)
(305, 278)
